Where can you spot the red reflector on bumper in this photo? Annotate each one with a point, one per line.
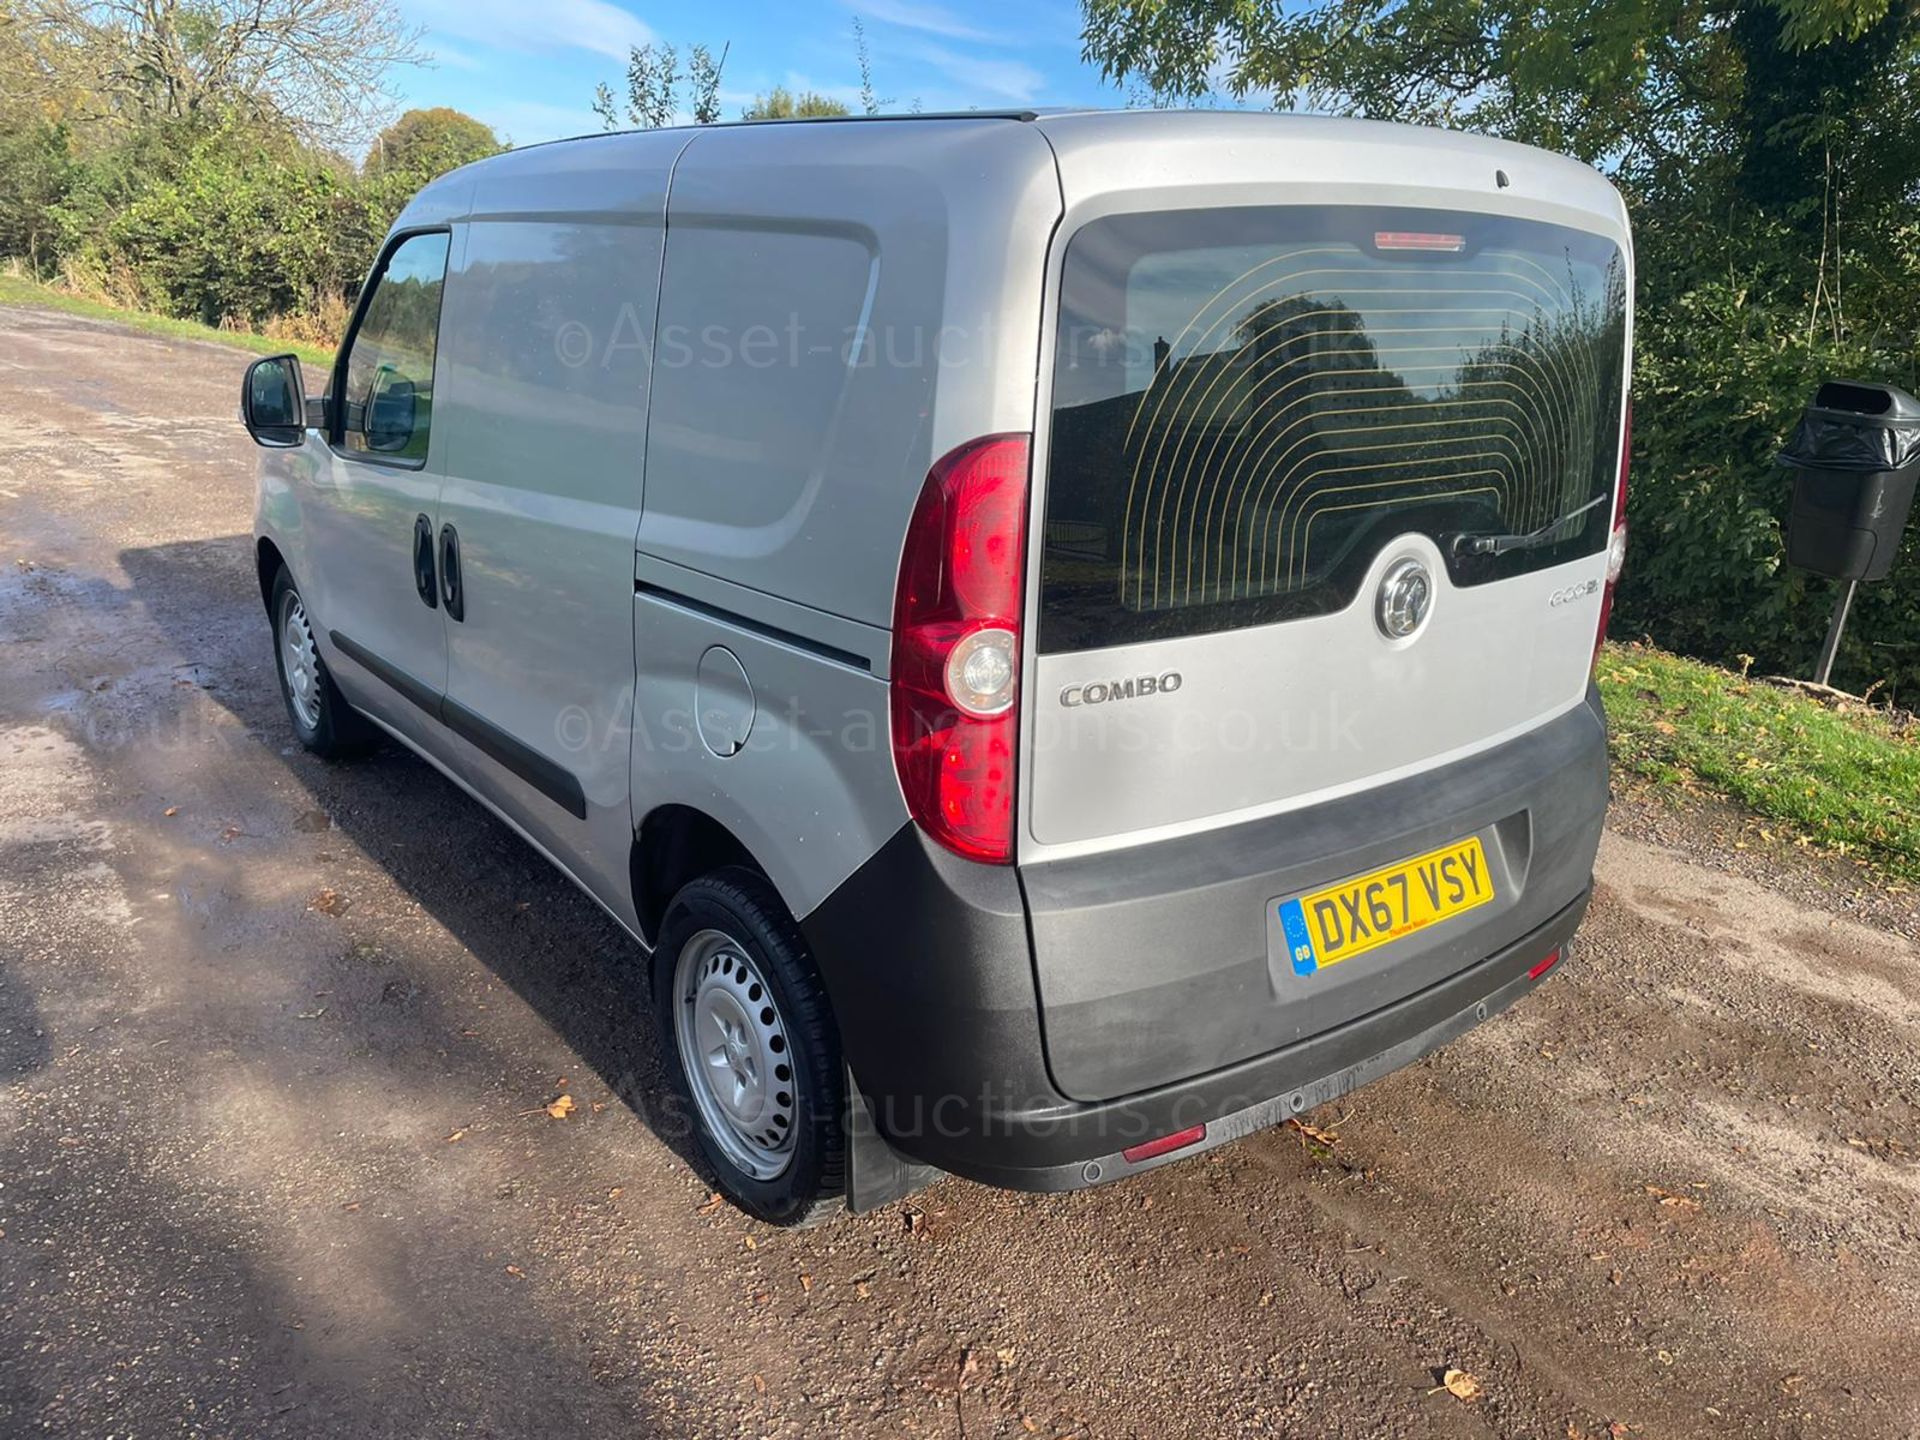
(1179, 1140)
(1545, 965)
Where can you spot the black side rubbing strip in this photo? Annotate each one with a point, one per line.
(411, 690)
(554, 781)
(754, 627)
(557, 783)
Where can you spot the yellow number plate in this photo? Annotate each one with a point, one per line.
(1359, 915)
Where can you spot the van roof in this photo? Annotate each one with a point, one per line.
(1089, 122)
(1103, 137)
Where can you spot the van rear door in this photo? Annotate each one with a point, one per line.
(1327, 499)
(1325, 458)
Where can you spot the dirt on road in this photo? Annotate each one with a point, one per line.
(278, 1041)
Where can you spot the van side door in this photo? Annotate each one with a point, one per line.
(548, 350)
(374, 540)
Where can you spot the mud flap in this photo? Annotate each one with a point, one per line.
(877, 1174)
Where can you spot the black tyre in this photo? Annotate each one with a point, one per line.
(321, 717)
(756, 1056)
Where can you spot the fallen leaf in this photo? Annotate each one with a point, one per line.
(328, 902)
(752, 1244)
(760, 1384)
(515, 1271)
(456, 1135)
(561, 1108)
(171, 811)
(616, 1192)
(714, 1202)
(806, 1282)
(1314, 1132)
(1461, 1385)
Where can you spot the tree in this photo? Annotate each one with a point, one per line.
(781, 103)
(654, 87)
(425, 143)
(319, 67)
(870, 103)
(1780, 84)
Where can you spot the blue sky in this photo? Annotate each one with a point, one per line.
(528, 67)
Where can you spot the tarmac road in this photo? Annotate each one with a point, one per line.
(277, 1038)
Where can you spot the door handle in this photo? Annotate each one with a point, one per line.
(451, 594)
(425, 581)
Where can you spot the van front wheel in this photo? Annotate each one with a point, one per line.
(758, 1060)
(321, 717)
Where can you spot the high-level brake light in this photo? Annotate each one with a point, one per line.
(1418, 240)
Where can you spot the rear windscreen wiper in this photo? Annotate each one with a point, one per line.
(1506, 544)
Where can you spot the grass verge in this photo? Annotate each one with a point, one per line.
(1847, 780)
(16, 291)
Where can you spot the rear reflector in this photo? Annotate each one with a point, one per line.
(1418, 240)
(1545, 965)
(1179, 1140)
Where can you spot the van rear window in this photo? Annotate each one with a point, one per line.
(1250, 402)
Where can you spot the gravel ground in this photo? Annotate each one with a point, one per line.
(277, 1038)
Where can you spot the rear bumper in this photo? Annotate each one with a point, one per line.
(931, 965)
(1080, 1145)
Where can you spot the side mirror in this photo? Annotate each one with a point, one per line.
(273, 404)
(391, 403)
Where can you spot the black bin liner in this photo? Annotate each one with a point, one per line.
(1856, 458)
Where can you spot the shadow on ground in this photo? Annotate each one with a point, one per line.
(496, 896)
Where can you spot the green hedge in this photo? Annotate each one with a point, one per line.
(1720, 377)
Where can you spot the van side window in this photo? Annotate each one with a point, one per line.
(389, 370)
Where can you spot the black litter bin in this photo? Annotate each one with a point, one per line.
(1855, 458)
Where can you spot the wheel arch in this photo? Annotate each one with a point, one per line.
(268, 562)
(676, 843)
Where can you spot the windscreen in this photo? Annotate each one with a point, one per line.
(1249, 403)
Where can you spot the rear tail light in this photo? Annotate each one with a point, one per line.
(956, 647)
(1617, 542)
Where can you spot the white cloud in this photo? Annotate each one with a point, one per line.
(593, 25)
(446, 57)
(920, 15)
(984, 77)
(528, 122)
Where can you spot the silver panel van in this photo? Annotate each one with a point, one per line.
(1065, 638)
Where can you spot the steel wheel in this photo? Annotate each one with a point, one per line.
(733, 1048)
(300, 661)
